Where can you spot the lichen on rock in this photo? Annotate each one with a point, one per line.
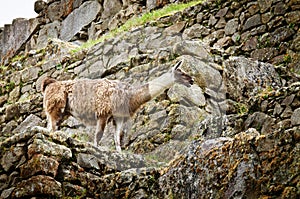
(233, 134)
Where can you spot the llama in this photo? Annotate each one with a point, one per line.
(96, 101)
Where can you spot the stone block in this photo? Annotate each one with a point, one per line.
(295, 119)
(39, 164)
(264, 54)
(293, 17)
(16, 35)
(111, 7)
(231, 27)
(30, 121)
(252, 22)
(79, 18)
(264, 5)
(50, 30)
(38, 185)
(41, 145)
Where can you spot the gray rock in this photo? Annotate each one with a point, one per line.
(221, 23)
(264, 5)
(41, 145)
(250, 44)
(192, 96)
(3, 100)
(192, 48)
(12, 111)
(26, 88)
(212, 20)
(14, 94)
(10, 157)
(199, 17)
(39, 6)
(222, 12)
(292, 17)
(54, 11)
(245, 77)
(30, 121)
(266, 17)
(223, 43)
(175, 28)
(295, 119)
(111, 7)
(264, 54)
(261, 122)
(38, 185)
(30, 74)
(278, 109)
(79, 18)
(287, 113)
(196, 31)
(288, 100)
(48, 31)
(280, 8)
(251, 22)
(231, 26)
(9, 126)
(205, 76)
(87, 161)
(74, 190)
(7, 192)
(39, 164)
(151, 4)
(16, 35)
(280, 35)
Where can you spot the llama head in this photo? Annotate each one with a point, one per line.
(180, 76)
(46, 81)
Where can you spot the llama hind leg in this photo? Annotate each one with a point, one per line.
(99, 130)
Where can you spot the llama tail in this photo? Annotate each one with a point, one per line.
(47, 81)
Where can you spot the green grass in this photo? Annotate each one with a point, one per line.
(140, 20)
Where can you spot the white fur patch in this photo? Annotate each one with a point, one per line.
(160, 84)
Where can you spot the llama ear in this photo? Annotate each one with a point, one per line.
(178, 64)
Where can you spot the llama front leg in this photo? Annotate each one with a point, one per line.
(99, 130)
(51, 122)
(119, 127)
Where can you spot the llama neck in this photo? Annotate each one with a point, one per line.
(150, 90)
(139, 96)
(160, 84)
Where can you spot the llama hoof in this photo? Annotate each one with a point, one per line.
(119, 149)
(95, 144)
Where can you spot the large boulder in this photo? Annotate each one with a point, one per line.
(79, 18)
(15, 36)
(245, 78)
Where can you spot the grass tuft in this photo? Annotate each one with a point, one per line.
(140, 20)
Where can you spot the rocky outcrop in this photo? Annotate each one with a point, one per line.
(68, 20)
(258, 162)
(81, 17)
(14, 37)
(233, 134)
(53, 164)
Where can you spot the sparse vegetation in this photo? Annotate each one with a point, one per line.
(10, 86)
(140, 20)
(287, 59)
(18, 58)
(266, 93)
(241, 108)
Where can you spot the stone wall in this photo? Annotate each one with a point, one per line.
(264, 30)
(69, 20)
(234, 133)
